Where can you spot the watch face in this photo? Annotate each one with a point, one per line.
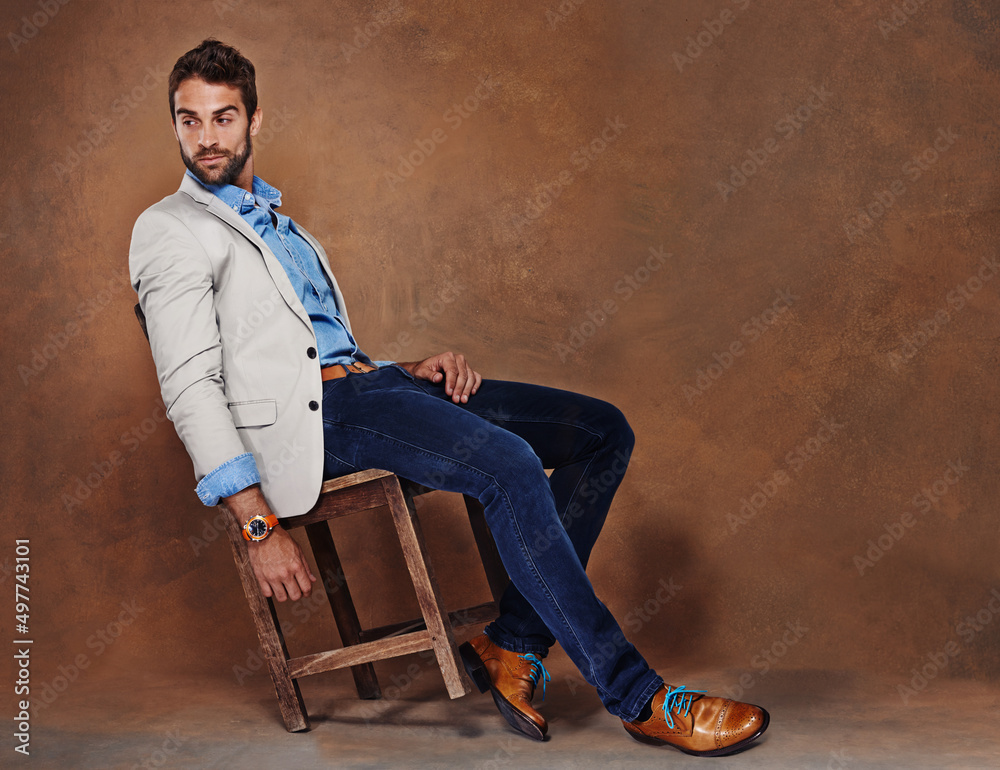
(257, 528)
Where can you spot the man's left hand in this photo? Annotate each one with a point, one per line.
(460, 381)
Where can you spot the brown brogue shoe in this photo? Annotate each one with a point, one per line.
(511, 678)
(699, 724)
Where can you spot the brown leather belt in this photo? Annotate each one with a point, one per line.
(337, 371)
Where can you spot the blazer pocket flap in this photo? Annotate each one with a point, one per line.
(253, 414)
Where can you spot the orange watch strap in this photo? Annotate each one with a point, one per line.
(271, 520)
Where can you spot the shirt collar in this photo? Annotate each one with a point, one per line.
(238, 199)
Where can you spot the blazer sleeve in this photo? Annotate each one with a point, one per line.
(174, 279)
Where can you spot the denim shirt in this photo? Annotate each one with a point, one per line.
(334, 342)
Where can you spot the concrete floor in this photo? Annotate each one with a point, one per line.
(818, 720)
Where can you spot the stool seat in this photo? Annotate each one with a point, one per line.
(344, 496)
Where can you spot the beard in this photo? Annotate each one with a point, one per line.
(220, 175)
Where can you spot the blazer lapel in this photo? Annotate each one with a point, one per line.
(216, 207)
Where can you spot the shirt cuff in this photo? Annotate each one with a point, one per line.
(228, 479)
(383, 363)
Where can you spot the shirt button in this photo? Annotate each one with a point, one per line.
(311, 352)
(313, 405)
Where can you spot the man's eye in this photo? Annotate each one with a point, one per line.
(225, 120)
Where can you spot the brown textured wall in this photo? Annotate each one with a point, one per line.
(785, 424)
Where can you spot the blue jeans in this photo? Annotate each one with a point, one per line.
(494, 448)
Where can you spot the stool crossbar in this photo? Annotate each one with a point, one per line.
(344, 496)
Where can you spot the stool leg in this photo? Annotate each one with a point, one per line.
(332, 574)
(414, 551)
(272, 643)
(496, 575)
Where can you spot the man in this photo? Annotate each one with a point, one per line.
(270, 393)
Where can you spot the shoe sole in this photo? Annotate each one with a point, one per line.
(477, 672)
(712, 753)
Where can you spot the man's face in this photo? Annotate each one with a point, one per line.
(214, 133)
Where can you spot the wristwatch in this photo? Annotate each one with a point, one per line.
(259, 527)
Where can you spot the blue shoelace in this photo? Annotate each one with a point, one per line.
(678, 700)
(537, 670)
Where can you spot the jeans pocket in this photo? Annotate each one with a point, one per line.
(405, 373)
(334, 467)
(330, 387)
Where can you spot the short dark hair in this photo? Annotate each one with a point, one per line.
(216, 62)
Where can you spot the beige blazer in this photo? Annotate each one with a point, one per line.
(235, 351)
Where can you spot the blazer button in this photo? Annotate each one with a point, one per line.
(311, 352)
(313, 405)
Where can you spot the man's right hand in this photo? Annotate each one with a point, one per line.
(277, 560)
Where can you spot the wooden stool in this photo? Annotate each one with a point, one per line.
(341, 497)
(344, 496)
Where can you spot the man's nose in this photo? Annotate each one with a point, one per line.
(208, 137)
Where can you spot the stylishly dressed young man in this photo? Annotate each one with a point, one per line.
(254, 353)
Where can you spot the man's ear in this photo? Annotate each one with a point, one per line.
(173, 127)
(255, 121)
